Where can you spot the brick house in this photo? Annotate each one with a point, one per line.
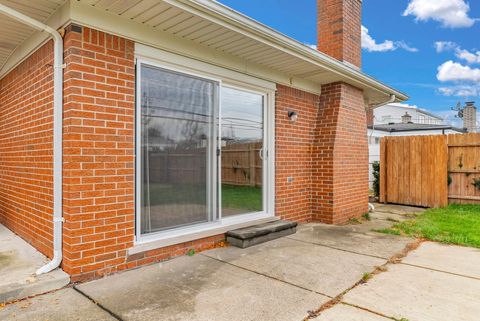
(178, 120)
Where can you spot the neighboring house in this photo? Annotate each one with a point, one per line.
(426, 124)
(132, 172)
(392, 113)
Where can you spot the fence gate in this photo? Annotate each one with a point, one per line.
(413, 170)
(464, 168)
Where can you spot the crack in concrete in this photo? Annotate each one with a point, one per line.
(339, 249)
(268, 276)
(104, 308)
(395, 259)
(441, 271)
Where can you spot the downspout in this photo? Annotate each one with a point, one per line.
(392, 99)
(57, 131)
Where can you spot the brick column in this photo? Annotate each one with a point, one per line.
(99, 171)
(340, 155)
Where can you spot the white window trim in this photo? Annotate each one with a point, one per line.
(225, 78)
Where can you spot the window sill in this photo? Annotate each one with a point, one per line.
(168, 238)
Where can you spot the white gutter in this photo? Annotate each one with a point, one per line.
(57, 131)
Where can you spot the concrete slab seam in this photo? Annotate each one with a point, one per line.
(267, 276)
(339, 249)
(395, 259)
(110, 312)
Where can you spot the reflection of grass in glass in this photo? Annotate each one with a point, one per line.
(242, 197)
(237, 197)
(161, 194)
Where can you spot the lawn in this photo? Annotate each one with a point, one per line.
(242, 197)
(455, 224)
(235, 197)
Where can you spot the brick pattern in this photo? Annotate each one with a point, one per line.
(99, 158)
(339, 29)
(99, 113)
(340, 156)
(324, 152)
(26, 149)
(293, 157)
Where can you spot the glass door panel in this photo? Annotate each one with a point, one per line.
(178, 132)
(242, 146)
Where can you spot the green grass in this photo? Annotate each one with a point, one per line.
(455, 224)
(236, 197)
(242, 197)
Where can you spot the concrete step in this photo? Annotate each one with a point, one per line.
(253, 235)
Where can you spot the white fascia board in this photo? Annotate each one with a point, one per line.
(36, 40)
(92, 17)
(186, 64)
(233, 20)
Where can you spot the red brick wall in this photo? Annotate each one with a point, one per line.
(26, 148)
(325, 153)
(99, 158)
(339, 29)
(340, 155)
(293, 157)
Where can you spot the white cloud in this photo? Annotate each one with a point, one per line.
(450, 13)
(371, 45)
(442, 46)
(311, 46)
(454, 71)
(460, 91)
(469, 56)
(403, 45)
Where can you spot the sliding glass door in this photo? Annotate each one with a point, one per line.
(242, 156)
(178, 163)
(201, 151)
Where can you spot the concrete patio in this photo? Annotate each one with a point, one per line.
(313, 274)
(18, 263)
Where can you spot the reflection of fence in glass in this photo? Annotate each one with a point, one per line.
(241, 165)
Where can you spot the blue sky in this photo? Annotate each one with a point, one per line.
(400, 46)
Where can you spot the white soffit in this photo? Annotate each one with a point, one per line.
(212, 25)
(199, 29)
(14, 33)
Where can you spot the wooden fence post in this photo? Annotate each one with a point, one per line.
(383, 169)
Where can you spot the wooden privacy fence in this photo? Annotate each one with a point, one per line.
(241, 165)
(430, 171)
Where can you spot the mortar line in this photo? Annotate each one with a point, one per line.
(101, 306)
(339, 249)
(268, 276)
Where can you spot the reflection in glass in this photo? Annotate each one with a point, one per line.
(177, 113)
(242, 152)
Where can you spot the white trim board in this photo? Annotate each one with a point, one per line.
(227, 78)
(89, 16)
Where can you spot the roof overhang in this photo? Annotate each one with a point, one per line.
(204, 30)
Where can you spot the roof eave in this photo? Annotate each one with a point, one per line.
(279, 40)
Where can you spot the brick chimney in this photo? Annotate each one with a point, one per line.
(470, 117)
(339, 30)
(406, 119)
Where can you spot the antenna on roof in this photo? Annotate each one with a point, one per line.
(458, 108)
